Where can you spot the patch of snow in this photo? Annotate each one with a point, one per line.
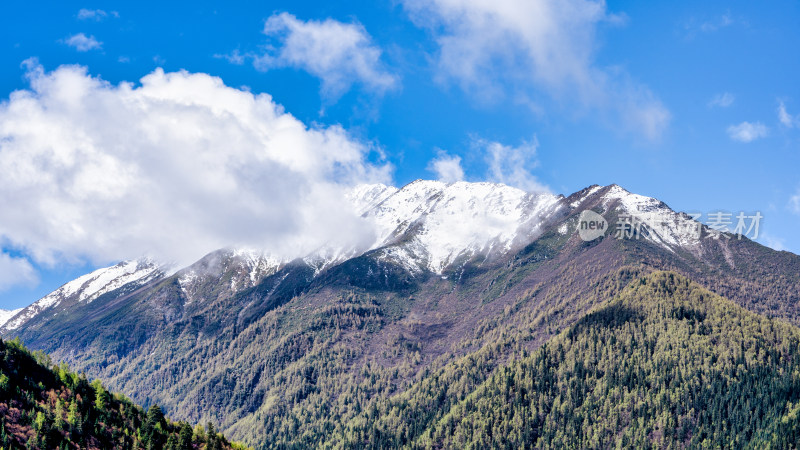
(588, 194)
(365, 196)
(6, 315)
(111, 278)
(246, 266)
(258, 263)
(665, 226)
(436, 223)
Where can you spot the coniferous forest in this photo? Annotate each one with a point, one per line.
(666, 364)
(46, 406)
(661, 363)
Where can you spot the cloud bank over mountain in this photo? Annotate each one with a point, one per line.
(176, 165)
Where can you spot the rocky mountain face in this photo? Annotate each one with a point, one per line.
(456, 282)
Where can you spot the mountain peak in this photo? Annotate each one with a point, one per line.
(89, 287)
(666, 227)
(427, 225)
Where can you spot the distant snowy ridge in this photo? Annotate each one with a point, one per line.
(422, 226)
(89, 287)
(246, 267)
(669, 229)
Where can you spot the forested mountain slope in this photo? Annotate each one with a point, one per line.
(665, 364)
(44, 407)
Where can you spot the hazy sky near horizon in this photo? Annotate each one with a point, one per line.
(124, 125)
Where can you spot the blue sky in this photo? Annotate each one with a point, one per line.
(695, 103)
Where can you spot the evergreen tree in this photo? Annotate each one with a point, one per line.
(186, 435)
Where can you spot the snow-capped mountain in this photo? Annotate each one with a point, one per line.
(424, 226)
(6, 314)
(665, 227)
(428, 225)
(240, 269)
(87, 288)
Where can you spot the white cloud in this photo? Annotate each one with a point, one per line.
(785, 118)
(83, 43)
(447, 167)
(794, 202)
(512, 165)
(95, 14)
(340, 54)
(234, 57)
(534, 48)
(723, 100)
(173, 167)
(747, 132)
(15, 271)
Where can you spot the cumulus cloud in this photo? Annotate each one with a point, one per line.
(15, 271)
(532, 48)
(83, 43)
(447, 167)
(512, 165)
(339, 54)
(723, 100)
(95, 14)
(747, 132)
(173, 167)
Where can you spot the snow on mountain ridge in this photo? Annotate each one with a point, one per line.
(6, 315)
(442, 220)
(445, 221)
(110, 278)
(365, 196)
(259, 263)
(246, 266)
(88, 287)
(423, 226)
(664, 226)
